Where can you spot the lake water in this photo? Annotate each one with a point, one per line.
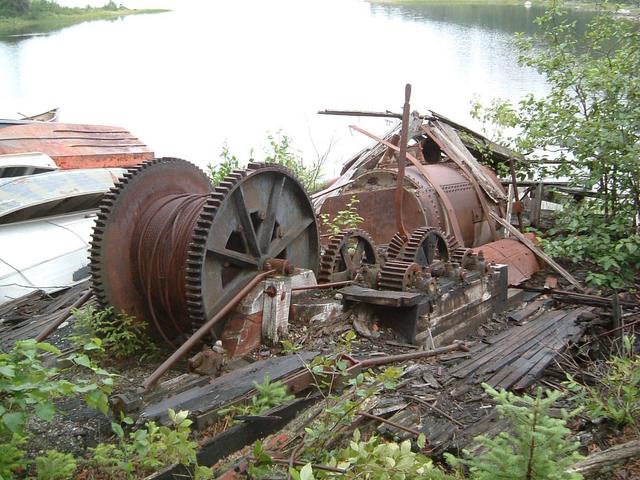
(208, 72)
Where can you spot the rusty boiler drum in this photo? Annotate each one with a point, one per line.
(375, 191)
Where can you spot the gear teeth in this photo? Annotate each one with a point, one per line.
(395, 246)
(410, 250)
(197, 252)
(331, 256)
(460, 256)
(106, 207)
(397, 275)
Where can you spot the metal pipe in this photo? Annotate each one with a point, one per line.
(203, 331)
(372, 362)
(323, 285)
(56, 323)
(402, 158)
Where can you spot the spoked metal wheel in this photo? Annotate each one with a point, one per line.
(345, 254)
(171, 252)
(253, 216)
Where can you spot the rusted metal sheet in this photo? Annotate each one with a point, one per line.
(76, 146)
(54, 193)
(521, 261)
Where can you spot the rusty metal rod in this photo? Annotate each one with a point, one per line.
(372, 362)
(586, 296)
(402, 159)
(63, 317)
(516, 199)
(622, 327)
(389, 422)
(203, 331)
(323, 285)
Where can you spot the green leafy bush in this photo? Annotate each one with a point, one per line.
(376, 459)
(589, 123)
(228, 163)
(535, 447)
(280, 151)
(144, 451)
(581, 235)
(122, 335)
(616, 396)
(28, 387)
(270, 394)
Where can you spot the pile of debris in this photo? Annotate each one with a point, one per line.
(224, 274)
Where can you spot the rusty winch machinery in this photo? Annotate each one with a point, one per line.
(172, 251)
(406, 264)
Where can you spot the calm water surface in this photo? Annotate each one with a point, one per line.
(214, 71)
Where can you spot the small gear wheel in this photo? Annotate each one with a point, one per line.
(346, 253)
(399, 275)
(461, 256)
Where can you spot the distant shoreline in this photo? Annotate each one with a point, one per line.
(629, 12)
(47, 22)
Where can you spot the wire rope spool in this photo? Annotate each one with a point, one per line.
(170, 250)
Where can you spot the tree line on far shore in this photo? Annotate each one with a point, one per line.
(34, 8)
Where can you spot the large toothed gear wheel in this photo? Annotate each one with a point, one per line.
(424, 246)
(254, 215)
(347, 252)
(399, 275)
(171, 252)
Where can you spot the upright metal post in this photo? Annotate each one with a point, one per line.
(402, 158)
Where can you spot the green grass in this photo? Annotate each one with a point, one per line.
(50, 21)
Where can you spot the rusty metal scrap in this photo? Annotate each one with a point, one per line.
(76, 146)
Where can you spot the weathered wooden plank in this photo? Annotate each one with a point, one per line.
(530, 309)
(386, 298)
(543, 361)
(224, 390)
(525, 346)
(509, 374)
(518, 336)
(237, 437)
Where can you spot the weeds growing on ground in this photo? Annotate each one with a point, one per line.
(616, 395)
(122, 335)
(269, 395)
